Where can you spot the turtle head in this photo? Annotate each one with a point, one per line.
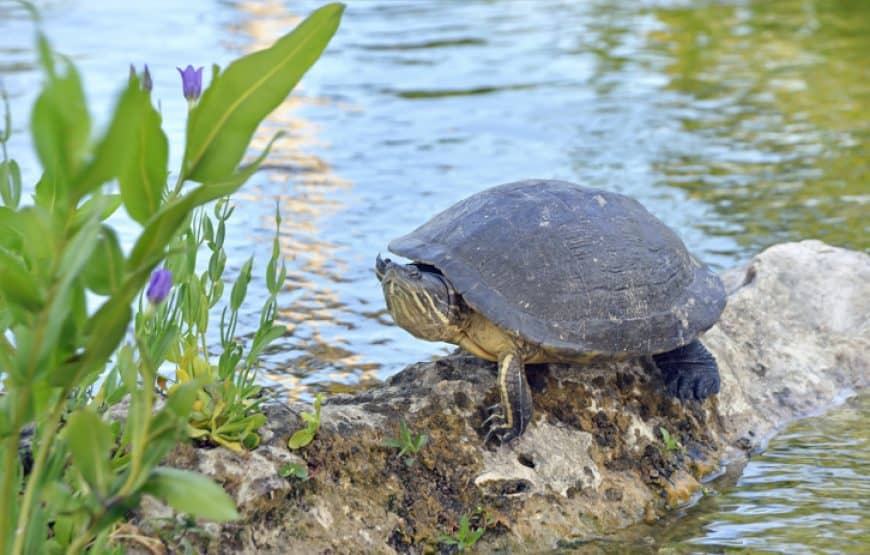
(420, 299)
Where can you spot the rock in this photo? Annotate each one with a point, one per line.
(793, 339)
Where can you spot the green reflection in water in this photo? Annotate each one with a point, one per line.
(780, 113)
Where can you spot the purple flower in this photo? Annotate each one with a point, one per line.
(191, 82)
(147, 84)
(159, 286)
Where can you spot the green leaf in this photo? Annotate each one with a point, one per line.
(109, 204)
(127, 368)
(293, 470)
(17, 284)
(79, 249)
(60, 126)
(189, 492)
(251, 441)
(115, 149)
(247, 424)
(60, 497)
(159, 231)
(90, 443)
(143, 176)
(240, 287)
(207, 228)
(76, 320)
(10, 183)
(105, 330)
(163, 343)
(105, 270)
(231, 183)
(216, 264)
(73, 258)
(404, 432)
(263, 341)
(181, 399)
(222, 124)
(301, 438)
(312, 420)
(163, 225)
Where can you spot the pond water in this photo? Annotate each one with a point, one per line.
(738, 123)
(807, 493)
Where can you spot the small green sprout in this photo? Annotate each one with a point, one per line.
(312, 423)
(464, 538)
(407, 444)
(671, 443)
(294, 470)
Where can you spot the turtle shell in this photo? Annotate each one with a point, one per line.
(572, 269)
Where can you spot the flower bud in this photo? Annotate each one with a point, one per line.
(147, 84)
(159, 286)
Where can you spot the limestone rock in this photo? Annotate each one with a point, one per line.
(794, 338)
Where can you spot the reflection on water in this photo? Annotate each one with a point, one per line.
(307, 193)
(780, 117)
(740, 124)
(807, 493)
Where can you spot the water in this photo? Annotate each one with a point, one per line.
(740, 124)
(807, 493)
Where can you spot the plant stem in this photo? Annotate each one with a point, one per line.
(9, 464)
(138, 448)
(46, 440)
(178, 184)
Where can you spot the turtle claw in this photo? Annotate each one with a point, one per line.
(494, 423)
(492, 433)
(494, 417)
(496, 426)
(502, 433)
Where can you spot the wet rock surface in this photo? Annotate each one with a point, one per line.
(794, 338)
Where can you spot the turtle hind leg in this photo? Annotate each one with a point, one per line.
(510, 418)
(689, 372)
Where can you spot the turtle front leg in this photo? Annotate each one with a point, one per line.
(510, 417)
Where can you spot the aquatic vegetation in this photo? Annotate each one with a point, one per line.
(303, 437)
(71, 471)
(407, 444)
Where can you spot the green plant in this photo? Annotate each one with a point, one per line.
(226, 410)
(465, 537)
(294, 470)
(303, 437)
(671, 443)
(57, 255)
(407, 443)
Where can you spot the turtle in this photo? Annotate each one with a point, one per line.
(544, 271)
